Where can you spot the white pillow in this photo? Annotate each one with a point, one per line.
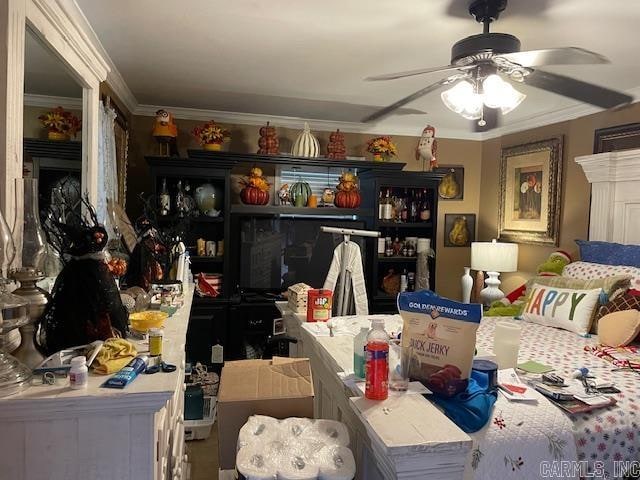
(589, 271)
(565, 308)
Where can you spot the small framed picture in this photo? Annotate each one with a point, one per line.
(451, 187)
(278, 326)
(459, 229)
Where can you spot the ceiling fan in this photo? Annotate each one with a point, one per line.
(480, 63)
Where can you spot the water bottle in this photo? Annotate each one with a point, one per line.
(359, 349)
(377, 363)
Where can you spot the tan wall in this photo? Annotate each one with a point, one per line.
(574, 221)
(245, 139)
(32, 126)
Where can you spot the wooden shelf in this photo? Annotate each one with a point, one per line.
(289, 210)
(405, 224)
(398, 259)
(200, 219)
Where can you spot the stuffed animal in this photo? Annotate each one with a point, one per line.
(511, 305)
(426, 149)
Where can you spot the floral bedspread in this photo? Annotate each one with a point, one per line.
(520, 437)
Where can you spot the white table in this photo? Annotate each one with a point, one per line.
(137, 433)
(402, 437)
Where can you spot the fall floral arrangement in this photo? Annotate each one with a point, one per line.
(210, 133)
(60, 123)
(382, 147)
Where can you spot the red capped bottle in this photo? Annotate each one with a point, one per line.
(377, 371)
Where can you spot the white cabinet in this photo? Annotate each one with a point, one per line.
(55, 433)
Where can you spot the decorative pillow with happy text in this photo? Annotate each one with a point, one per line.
(565, 308)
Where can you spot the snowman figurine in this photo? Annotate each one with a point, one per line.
(426, 149)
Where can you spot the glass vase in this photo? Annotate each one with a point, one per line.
(28, 235)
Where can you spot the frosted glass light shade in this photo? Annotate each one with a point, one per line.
(463, 100)
(500, 94)
(494, 256)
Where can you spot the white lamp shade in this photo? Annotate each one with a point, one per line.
(494, 256)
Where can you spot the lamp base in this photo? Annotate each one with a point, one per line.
(491, 292)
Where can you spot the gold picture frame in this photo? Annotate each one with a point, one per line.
(530, 192)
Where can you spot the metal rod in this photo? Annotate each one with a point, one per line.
(349, 231)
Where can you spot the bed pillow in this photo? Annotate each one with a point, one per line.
(609, 253)
(618, 329)
(611, 286)
(619, 304)
(590, 271)
(565, 308)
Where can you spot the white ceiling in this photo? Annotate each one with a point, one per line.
(308, 58)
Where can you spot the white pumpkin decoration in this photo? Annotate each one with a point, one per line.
(306, 145)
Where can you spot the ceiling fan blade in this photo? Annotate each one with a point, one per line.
(577, 89)
(555, 56)
(420, 71)
(414, 96)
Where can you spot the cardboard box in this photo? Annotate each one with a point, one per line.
(279, 388)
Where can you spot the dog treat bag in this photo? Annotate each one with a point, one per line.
(442, 336)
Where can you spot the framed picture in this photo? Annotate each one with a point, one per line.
(459, 229)
(621, 137)
(278, 326)
(530, 183)
(451, 187)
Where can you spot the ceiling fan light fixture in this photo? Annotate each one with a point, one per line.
(463, 100)
(500, 94)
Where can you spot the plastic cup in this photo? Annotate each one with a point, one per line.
(506, 343)
(399, 376)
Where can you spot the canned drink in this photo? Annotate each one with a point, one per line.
(155, 341)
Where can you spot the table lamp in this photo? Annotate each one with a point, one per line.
(493, 258)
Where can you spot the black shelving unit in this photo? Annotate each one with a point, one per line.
(235, 318)
(377, 265)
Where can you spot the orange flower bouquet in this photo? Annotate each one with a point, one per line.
(61, 125)
(211, 135)
(382, 148)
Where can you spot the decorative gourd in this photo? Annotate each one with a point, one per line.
(299, 194)
(306, 145)
(336, 148)
(312, 202)
(254, 196)
(347, 199)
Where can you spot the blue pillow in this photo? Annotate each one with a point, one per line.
(608, 253)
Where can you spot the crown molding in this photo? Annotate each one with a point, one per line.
(113, 77)
(183, 113)
(49, 101)
(619, 166)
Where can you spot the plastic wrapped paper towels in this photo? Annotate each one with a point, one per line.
(294, 449)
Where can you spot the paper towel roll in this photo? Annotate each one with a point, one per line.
(258, 428)
(332, 432)
(295, 427)
(336, 463)
(297, 467)
(255, 465)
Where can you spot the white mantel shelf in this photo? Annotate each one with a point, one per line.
(137, 433)
(615, 196)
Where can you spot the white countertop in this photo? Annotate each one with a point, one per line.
(145, 392)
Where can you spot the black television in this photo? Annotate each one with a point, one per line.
(278, 252)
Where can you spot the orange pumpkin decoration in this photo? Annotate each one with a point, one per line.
(347, 199)
(268, 141)
(254, 196)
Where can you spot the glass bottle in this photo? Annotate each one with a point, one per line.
(380, 206)
(29, 238)
(165, 199)
(413, 208)
(404, 215)
(181, 206)
(425, 210)
(387, 211)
